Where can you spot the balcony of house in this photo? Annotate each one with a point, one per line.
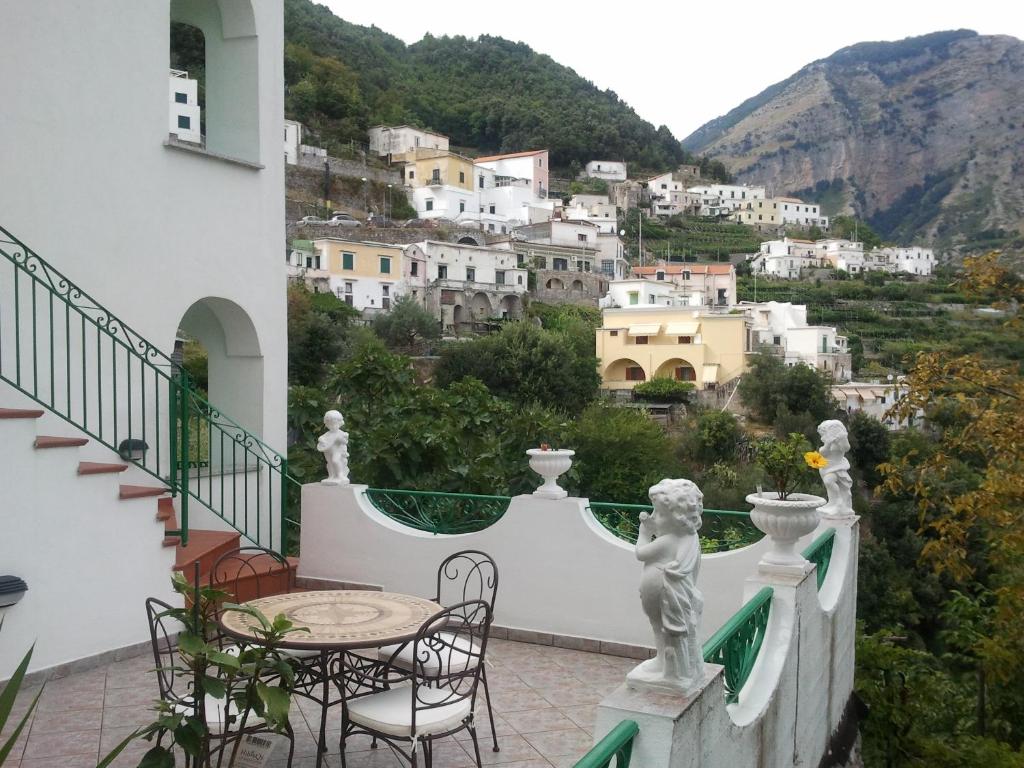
(474, 285)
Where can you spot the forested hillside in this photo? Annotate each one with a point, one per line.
(489, 95)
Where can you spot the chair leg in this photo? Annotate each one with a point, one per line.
(476, 745)
(291, 744)
(490, 711)
(429, 752)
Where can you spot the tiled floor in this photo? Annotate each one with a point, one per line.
(544, 701)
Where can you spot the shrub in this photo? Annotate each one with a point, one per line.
(664, 390)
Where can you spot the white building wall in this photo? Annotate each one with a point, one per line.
(221, 215)
(485, 262)
(292, 141)
(611, 170)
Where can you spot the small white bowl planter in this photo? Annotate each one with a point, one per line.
(784, 522)
(550, 464)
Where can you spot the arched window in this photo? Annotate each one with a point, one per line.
(229, 84)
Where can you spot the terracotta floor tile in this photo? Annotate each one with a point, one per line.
(55, 744)
(513, 749)
(537, 720)
(558, 743)
(584, 716)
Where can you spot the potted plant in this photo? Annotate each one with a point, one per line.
(781, 513)
(550, 463)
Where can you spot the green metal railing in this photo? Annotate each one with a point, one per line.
(721, 530)
(736, 644)
(439, 512)
(617, 746)
(67, 352)
(819, 552)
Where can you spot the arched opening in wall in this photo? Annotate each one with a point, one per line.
(624, 369)
(467, 240)
(554, 284)
(677, 369)
(481, 306)
(220, 341)
(458, 317)
(217, 41)
(577, 285)
(511, 307)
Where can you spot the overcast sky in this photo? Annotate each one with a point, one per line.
(682, 64)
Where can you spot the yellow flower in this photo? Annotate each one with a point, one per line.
(815, 460)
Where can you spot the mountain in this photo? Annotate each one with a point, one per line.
(923, 137)
(488, 94)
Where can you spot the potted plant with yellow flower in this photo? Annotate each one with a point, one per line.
(782, 513)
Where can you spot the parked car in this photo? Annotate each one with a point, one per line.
(342, 219)
(421, 223)
(310, 220)
(380, 222)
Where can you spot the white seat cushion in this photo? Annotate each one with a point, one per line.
(215, 711)
(390, 712)
(300, 654)
(431, 661)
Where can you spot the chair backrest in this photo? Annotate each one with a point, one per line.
(163, 633)
(467, 575)
(448, 655)
(247, 573)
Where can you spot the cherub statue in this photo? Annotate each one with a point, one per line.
(836, 474)
(333, 444)
(669, 548)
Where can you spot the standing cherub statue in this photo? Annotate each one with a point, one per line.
(836, 474)
(669, 548)
(333, 444)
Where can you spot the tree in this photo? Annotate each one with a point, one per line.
(717, 437)
(526, 364)
(620, 454)
(315, 337)
(407, 327)
(776, 392)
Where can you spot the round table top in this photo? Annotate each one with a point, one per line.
(338, 619)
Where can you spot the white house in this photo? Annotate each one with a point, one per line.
(398, 141)
(461, 284)
(913, 260)
(781, 328)
(702, 284)
(593, 208)
(792, 210)
(785, 258)
(637, 292)
(730, 197)
(846, 255)
(610, 170)
(183, 117)
(207, 265)
(579, 238)
(874, 399)
(531, 165)
(612, 256)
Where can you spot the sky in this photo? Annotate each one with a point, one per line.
(682, 64)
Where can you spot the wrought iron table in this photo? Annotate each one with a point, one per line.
(338, 621)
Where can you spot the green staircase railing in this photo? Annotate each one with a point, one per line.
(721, 530)
(68, 353)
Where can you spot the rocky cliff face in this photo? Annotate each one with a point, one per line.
(923, 137)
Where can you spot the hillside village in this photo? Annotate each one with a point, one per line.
(489, 236)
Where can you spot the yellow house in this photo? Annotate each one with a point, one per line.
(636, 344)
(437, 168)
(367, 276)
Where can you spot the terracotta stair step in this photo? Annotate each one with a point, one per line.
(141, 491)
(46, 441)
(99, 468)
(249, 581)
(203, 547)
(19, 413)
(165, 509)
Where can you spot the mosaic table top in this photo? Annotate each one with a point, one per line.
(338, 619)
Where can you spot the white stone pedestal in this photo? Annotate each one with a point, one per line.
(669, 725)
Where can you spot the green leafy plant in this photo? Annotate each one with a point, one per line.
(786, 462)
(665, 390)
(257, 680)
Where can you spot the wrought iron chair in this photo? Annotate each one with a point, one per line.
(466, 575)
(248, 573)
(436, 697)
(172, 678)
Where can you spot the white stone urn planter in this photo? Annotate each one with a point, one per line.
(549, 464)
(784, 522)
